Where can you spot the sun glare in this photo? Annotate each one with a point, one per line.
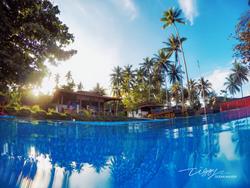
(36, 91)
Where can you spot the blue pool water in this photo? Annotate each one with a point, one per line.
(185, 152)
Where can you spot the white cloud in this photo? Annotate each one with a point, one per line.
(217, 78)
(189, 8)
(127, 6)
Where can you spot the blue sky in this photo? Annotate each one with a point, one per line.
(119, 32)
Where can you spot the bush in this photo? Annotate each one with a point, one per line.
(24, 111)
(10, 110)
(40, 114)
(86, 114)
(58, 116)
(36, 108)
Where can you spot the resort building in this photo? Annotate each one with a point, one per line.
(75, 101)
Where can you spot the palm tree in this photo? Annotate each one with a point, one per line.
(193, 91)
(157, 80)
(175, 73)
(176, 92)
(147, 67)
(173, 47)
(80, 86)
(204, 87)
(128, 75)
(240, 73)
(68, 76)
(99, 89)
(175, 76)
(231, 85)
(162, 62)
(171, 17)
(57, 80)
(116, 81)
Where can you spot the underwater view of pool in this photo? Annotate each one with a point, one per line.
(212, 151)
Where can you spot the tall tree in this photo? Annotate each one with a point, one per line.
(170, 18)
(80, 86)
(57, 80)
(231, 85)
(116, 81)
(194, 94)
(242, 34)
(147, 67)
(128, 75)
(176, 92)
(70, 85)
(30, 33)
(204, 87)
(240, 73)
(163, 62)
(99, 89)
(173, 47)
(175, 74)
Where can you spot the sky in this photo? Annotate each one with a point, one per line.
(120, 32)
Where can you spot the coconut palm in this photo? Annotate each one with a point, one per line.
(240, 73)
(80, 86)
(57, 80)
(140, 76)
(116, 81)
(175, 73)
(157, 79)
(173, 47)
(147, 67)
(170, 18)
(128, 75)
(193, 91)
(163, 63)
(99, 89)
(231, 85)
(204, 87)
(176, 92)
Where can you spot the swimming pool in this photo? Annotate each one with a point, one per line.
(184, 152)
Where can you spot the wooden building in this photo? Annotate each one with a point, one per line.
(75, 101)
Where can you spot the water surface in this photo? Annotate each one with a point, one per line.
(185, 152)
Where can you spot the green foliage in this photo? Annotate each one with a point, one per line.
(14, 98)
(242, 35)
(31, 32)
(100, 90)
(70, 85)
(23, 111)
(10, 110)
(35, 108)
(86, 114)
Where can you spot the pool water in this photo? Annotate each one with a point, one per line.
(185, 152)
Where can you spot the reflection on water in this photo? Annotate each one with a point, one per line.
(177, 153)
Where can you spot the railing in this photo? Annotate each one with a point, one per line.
(238, 103)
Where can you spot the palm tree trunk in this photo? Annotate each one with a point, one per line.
(184, 59)
(241, 91)
(149, 85)
(167, 102)
(182, 93)
(183, 56)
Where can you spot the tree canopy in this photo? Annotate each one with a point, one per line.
(30, 34)
(242, 49)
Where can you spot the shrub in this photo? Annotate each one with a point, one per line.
(40, 114)
(58, 116)
(86, 114)
(24, 111)
(36, 108)
(10, 110)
